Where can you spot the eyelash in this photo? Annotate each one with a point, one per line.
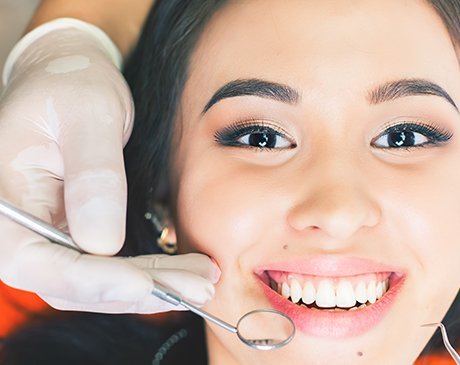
(230, 135)
(435, 135)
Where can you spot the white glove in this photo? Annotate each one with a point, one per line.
(65, 114)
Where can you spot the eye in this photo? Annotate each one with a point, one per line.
(258, 136)
(265, 138)
(410, 135)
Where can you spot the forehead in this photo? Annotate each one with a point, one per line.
(321, 44)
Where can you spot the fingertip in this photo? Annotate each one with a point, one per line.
(191, 287)
(98, 226)
(201, 295)
(197, 263)
(216, 272)
(208, 267)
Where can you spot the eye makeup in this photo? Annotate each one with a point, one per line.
(254, 134)
(405, 135)
(258, 134)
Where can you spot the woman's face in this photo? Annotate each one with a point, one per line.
(318, 158)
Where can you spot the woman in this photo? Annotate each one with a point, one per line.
(309, 148)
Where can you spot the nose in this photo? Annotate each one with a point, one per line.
(338, 206)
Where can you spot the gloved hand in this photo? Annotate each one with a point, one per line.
(65, 114)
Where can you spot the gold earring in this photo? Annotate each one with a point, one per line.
(166, 241)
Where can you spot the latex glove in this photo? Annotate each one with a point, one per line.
(64, 116)
(68, 280)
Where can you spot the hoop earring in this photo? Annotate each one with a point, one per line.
(162, 224)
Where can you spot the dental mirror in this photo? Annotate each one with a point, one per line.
(261, 329)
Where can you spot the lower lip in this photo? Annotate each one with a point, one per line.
(339, 324)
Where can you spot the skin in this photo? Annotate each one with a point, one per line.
(334, 194)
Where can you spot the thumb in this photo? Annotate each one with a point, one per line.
(95, 189)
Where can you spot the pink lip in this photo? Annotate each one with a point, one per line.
(339, 324)
(328, 266)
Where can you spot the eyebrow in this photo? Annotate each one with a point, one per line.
(254, 87)
(408, 87)
(286, 94)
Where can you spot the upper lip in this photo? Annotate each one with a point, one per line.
(328, 266)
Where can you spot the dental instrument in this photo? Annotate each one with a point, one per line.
(261, 329)
(445, 340)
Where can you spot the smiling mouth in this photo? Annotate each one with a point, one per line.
(332, 294)
(334, 297)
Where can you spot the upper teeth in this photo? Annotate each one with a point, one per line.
(328, 293)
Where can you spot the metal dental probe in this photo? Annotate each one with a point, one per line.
(284, 328)
(446, 341)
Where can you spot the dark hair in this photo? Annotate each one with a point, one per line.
(157, 71)
(449, 12)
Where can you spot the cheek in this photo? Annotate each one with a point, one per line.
(420, 205)
(425, 221)
(441, 251)
(218, 212)
(435, 219)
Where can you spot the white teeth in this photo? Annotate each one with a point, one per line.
(345, 296)
(379, 290)
(333, 293)
(285, 290)
(296, 291)
(325, 296)
(309, 293)
(371, 292)
(361, 292)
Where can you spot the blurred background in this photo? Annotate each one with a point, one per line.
(14, 16)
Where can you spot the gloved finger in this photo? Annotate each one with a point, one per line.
(95, 184)
(74, 98)
(149, 305)
(54, 271)
(31, 167)
(193, 262)
(189, 286)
